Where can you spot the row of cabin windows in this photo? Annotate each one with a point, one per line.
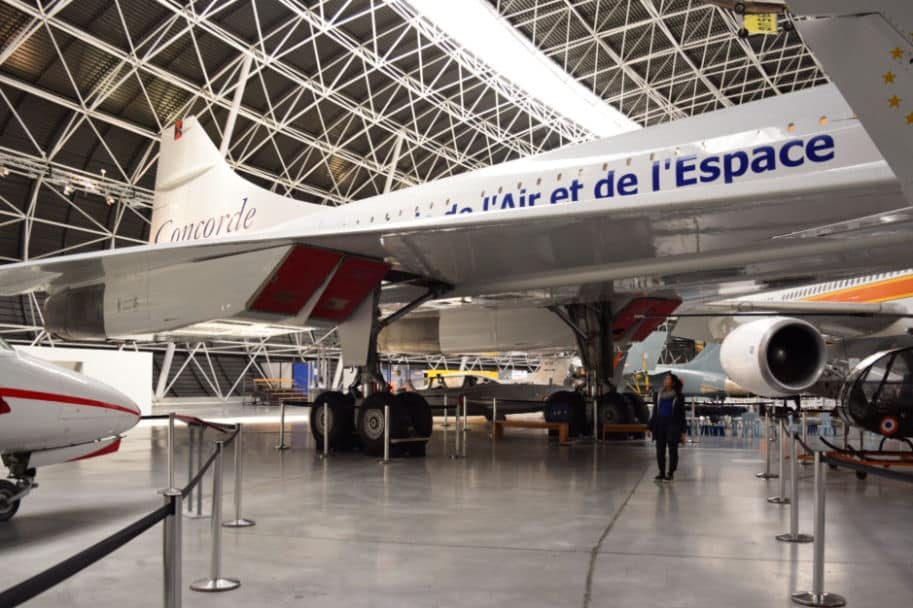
(834, 285)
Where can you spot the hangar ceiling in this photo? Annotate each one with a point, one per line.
(334, 87)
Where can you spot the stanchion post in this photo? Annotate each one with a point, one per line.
(781, 498)
(282, 445)
(494, 416)
(465, 426)
(216, 582)
(767, 440)
(446, 424)
(238, 521)
(195, 507)
(595, 420)
(199, 512)
(171, 550)
(171, 448)
(326, 430)
(171, 541)
(695, 432)
(818, 597)
(386, 459)
(793, 536)
(193, 433)
(460, 421)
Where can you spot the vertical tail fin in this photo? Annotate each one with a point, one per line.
(708, 360)
(642, 356)
(199, 196)
(867, 50)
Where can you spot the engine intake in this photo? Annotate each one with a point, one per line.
(775, 357)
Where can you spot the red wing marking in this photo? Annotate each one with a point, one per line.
(646, 313)
(299, 275)
(349, 287)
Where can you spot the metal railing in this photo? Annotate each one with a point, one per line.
(170, 514)
(816, 596)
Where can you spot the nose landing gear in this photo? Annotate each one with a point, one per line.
(12, 493)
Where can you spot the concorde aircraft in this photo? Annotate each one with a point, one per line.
(608, 236)
(50, 415)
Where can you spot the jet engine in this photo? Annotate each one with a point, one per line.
(77, 314)
(774, 357)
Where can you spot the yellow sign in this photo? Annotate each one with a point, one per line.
(761, 24)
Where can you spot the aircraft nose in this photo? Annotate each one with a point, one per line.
(116, 397)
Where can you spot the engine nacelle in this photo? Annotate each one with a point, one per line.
(77, 314)
(477, 330)
(775, 357)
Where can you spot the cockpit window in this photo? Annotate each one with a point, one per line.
(898, 383)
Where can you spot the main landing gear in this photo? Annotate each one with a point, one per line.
(597, 329)
(359, 424)
(356, 419)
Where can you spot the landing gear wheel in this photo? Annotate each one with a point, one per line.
(639, 409)
(421, 420)
(340, 420)
(371, 422)
(743, 33)
(8, 508)
(567, 406)
(614, 408)
(861, 475)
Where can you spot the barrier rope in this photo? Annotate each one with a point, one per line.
(205, 467)
(41, 582)
(849, 464)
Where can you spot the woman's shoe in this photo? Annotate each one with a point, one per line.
(660, 477)
(668, 477)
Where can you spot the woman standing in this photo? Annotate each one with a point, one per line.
(667, 424)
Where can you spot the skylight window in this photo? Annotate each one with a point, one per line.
(476, 26)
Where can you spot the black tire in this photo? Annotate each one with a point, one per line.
(371, 422)
(8, 509)
(861, 475)
(341, 414)
(743, 33)
(614, 408)
(567, 406)
(638, 407)
(421, 421)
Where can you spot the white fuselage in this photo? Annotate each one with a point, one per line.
(46, 407)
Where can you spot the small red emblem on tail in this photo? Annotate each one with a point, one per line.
(178, 129)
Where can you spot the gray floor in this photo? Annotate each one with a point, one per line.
(526, 524)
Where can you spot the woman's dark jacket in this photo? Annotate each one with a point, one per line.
(673, 425)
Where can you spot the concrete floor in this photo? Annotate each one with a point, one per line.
(527, 523)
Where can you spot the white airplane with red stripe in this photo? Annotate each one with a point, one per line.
(51, 415)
